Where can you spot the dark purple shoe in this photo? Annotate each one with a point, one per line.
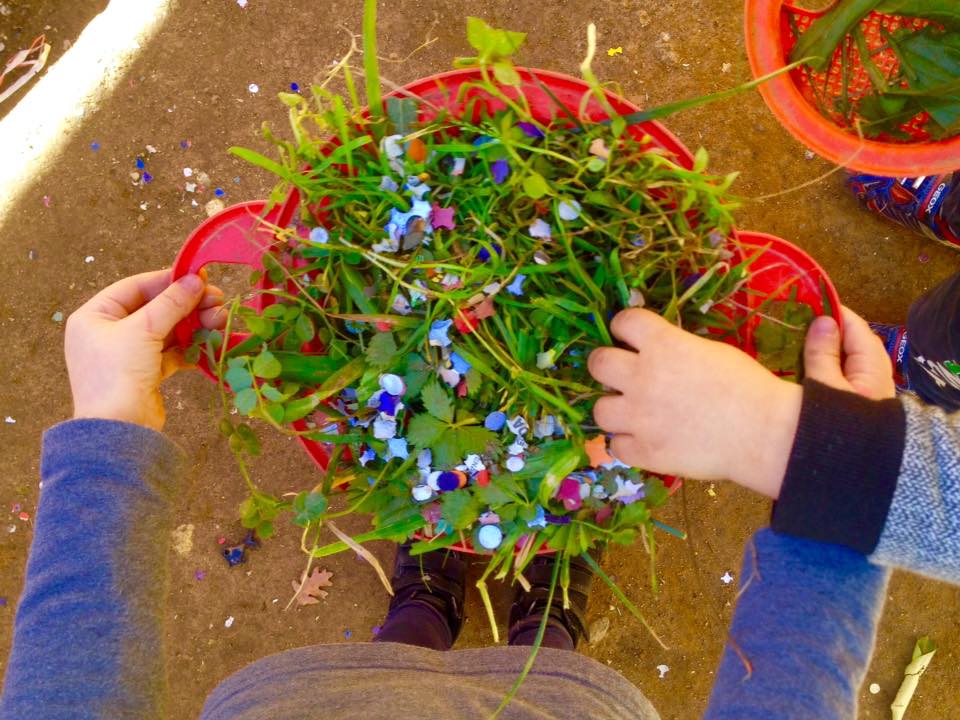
(529, 606)
(437, 578)
(895, 341)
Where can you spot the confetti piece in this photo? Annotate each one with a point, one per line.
(874, 688)
(219, 192)
(253, 88)
(596, 449)
(147, 177)
(213, 207)
(294, 87)
(615, 51)
(199, 574)
(663, 670)
(57, 317)
(140, 163)
(417, 150)
(228, 622)
(46, 201)
(187, 172)
(185, 144)
(242, 3)
(95, 146)
(727, 578)
(89, 259)
(347, 634)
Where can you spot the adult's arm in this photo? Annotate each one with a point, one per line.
(87, 637)
(803, 630)
(881, 477)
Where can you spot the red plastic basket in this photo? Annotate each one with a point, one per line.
(242, 235)
(769, 30)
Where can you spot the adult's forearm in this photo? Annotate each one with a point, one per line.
(804, 625)
(87, 638)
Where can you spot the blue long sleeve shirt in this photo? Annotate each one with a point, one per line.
(88, 642)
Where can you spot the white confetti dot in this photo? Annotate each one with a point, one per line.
(151, 149)
(187, 172)
(727, 578)
(515, 463)
(874, 688)
(228, 622)
(253, 88)
(89, 259)
(242, 3)
(9, 420)
(663, 670)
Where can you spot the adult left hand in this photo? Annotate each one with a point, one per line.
(119, 345)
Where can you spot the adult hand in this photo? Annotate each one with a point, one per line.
(119, 345)
(866, 370)
(694, 407)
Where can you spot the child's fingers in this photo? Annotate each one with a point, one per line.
(867, 365)
(612, 414)
(611, 366)
(636, 326)
(821, 353)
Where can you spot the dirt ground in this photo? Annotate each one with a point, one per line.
(191, 84)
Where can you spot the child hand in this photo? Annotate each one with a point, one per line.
(694, 407)
(866, 370)
(119, 345)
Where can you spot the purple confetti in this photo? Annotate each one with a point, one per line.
(500, 170)
(531, 130)
(200, 574)
(484, 254)
(923, 258)
(376, 629)
(147, 177)
(185, 144)
(3, 602)
(348, 634)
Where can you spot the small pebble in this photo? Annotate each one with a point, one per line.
(874, 688)
(228, 622)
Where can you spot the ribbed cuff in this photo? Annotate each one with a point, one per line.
(843, 468)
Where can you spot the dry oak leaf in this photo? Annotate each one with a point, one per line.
(308, 590)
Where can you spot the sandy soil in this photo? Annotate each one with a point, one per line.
(191, 84)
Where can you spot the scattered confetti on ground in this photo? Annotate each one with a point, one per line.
(663, 670)
(228, 622)
(213, 207)
(727, 578)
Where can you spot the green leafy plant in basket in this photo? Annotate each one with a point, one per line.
(431, 310)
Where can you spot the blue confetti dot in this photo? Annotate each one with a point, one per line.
(295, 87)
(140, 163)
(147, 177)
(219, 192)
(348, 634)
(184, 144)
(95, 146)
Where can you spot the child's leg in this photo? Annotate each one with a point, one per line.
(933, 334)
(427, 604)
(564, 626)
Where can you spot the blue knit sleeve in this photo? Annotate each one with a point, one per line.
(87, 635)
(804, 627)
